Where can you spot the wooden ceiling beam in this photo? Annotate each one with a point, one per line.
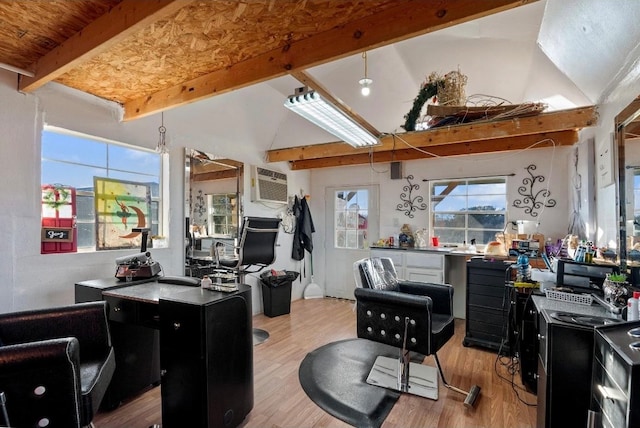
(216, 175)
(120, 22)
(408, 19)
(561, 138)
(563, 120)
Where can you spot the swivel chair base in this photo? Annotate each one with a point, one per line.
(471, 395)
(387, 373)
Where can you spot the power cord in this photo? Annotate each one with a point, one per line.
(510, 359)
(513, 367)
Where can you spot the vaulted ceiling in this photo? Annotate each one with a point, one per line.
(165, 55)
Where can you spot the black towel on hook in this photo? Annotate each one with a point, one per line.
(302, 238)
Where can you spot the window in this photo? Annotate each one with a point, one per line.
(74, 159)
(351, 218)
(466, 209)
(223, 214)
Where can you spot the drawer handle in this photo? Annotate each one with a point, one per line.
(540, 336)
(176, 325)
(116, 309)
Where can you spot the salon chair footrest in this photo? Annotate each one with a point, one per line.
(423, 380)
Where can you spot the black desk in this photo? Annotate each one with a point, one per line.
(205, 348)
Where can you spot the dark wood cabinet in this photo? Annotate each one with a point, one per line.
(565, 360)
(564, 370)
(615, 390)
(197, 343)
(136, 347)
(206, 354)
(488, 301)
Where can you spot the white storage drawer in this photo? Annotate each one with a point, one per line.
(424, 275)
(424, 260)
(395, 256)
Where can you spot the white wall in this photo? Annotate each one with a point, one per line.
(31, 280)
(551, 163)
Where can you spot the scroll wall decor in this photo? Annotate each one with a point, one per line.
(533, 200)
(410, 203)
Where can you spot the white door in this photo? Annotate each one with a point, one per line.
(352, 223)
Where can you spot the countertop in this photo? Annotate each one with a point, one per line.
(542, 303)
(153, 292)
(454, 251)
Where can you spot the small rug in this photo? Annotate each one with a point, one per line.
(334, 377)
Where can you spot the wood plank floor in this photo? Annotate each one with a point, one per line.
(280, 401)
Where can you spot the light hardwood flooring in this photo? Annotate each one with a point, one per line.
(279, 400)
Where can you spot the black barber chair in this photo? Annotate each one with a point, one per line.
(256, 249)
(55, 365)
(414, 316)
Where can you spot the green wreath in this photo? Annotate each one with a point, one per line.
(427, 91)
(56, 195)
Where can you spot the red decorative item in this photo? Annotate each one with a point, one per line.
(59, 232)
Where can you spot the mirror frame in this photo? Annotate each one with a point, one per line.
(622, 120)
(239, 174)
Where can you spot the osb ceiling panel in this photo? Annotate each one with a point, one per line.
(31, 28)
(208, 36)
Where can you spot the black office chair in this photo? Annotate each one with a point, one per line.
(55, 365)
(256, 249)
(414, 316)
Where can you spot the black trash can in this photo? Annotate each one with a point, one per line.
(276, 291)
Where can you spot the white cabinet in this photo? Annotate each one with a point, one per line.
(415, 265)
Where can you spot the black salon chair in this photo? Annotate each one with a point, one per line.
(413, 316)
(55, 365)
(256, 249)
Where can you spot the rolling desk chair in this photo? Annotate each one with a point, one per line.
(255, 251)
(414, 316)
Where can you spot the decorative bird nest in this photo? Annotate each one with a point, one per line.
(445, 90)
(450, 88)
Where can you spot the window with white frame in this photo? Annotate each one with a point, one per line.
(74, 159)
(351, 218)
(466, 209)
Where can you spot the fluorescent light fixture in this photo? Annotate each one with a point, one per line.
(310, 105)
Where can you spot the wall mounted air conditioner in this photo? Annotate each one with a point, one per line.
(268, 185)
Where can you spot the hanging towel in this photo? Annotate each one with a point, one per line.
(302, 238)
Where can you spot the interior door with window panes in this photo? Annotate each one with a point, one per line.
(351, 226)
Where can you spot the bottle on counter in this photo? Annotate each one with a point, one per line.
(632, 307)
(205, 282)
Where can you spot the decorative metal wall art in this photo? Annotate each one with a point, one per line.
(533, 200)
(410, 203)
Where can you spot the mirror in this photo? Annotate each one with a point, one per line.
(627, 131)
(213, 207)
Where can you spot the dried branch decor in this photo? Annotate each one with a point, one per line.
(533, 200)
(410, 204)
